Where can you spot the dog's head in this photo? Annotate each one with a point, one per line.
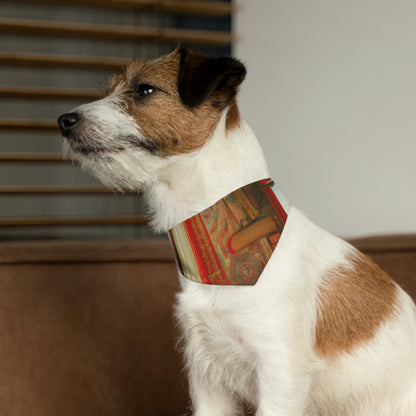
(153, 112)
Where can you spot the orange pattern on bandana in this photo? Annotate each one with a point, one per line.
(231, 242)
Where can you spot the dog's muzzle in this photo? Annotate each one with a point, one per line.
(67, 123)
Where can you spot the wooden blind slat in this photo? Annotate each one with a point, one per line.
(31, 157)
(58, 190)
(202, 8)
(56, 61)
(48, 93)
(53, 221)
(28, 125)
(58, 29)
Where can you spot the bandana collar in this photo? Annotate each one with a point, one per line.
(231, 242)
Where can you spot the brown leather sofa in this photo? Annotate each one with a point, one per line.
(86, 328)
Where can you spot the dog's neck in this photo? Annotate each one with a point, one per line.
(231, 159)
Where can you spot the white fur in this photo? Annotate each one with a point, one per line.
(107, 122)
(257, 343)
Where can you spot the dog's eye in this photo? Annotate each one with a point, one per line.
(143, 90)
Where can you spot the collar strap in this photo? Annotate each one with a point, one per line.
(231, 242)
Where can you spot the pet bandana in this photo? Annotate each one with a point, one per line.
(231, 242)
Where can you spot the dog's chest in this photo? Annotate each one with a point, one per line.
(214, 342)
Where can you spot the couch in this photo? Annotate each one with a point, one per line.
(86, 328)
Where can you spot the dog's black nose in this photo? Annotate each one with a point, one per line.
(67, 121)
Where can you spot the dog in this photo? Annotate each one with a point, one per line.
(323, 331)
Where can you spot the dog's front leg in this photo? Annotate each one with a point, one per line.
(209, 399)
(282, 386)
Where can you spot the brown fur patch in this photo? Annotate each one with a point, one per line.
(233, 116)
(353, 303)
(162, 117)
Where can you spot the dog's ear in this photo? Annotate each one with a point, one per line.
(202, 77)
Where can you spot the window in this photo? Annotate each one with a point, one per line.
(55, 55)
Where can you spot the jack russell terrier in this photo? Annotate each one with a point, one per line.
(275, 312)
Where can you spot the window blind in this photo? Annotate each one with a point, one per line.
(55, 55)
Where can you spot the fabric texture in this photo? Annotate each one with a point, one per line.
(87, 329)
(231, 242)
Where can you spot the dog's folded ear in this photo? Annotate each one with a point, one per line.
(202, 77)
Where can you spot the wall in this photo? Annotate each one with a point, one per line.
(331, 95)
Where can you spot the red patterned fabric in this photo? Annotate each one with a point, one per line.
(231, 242)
